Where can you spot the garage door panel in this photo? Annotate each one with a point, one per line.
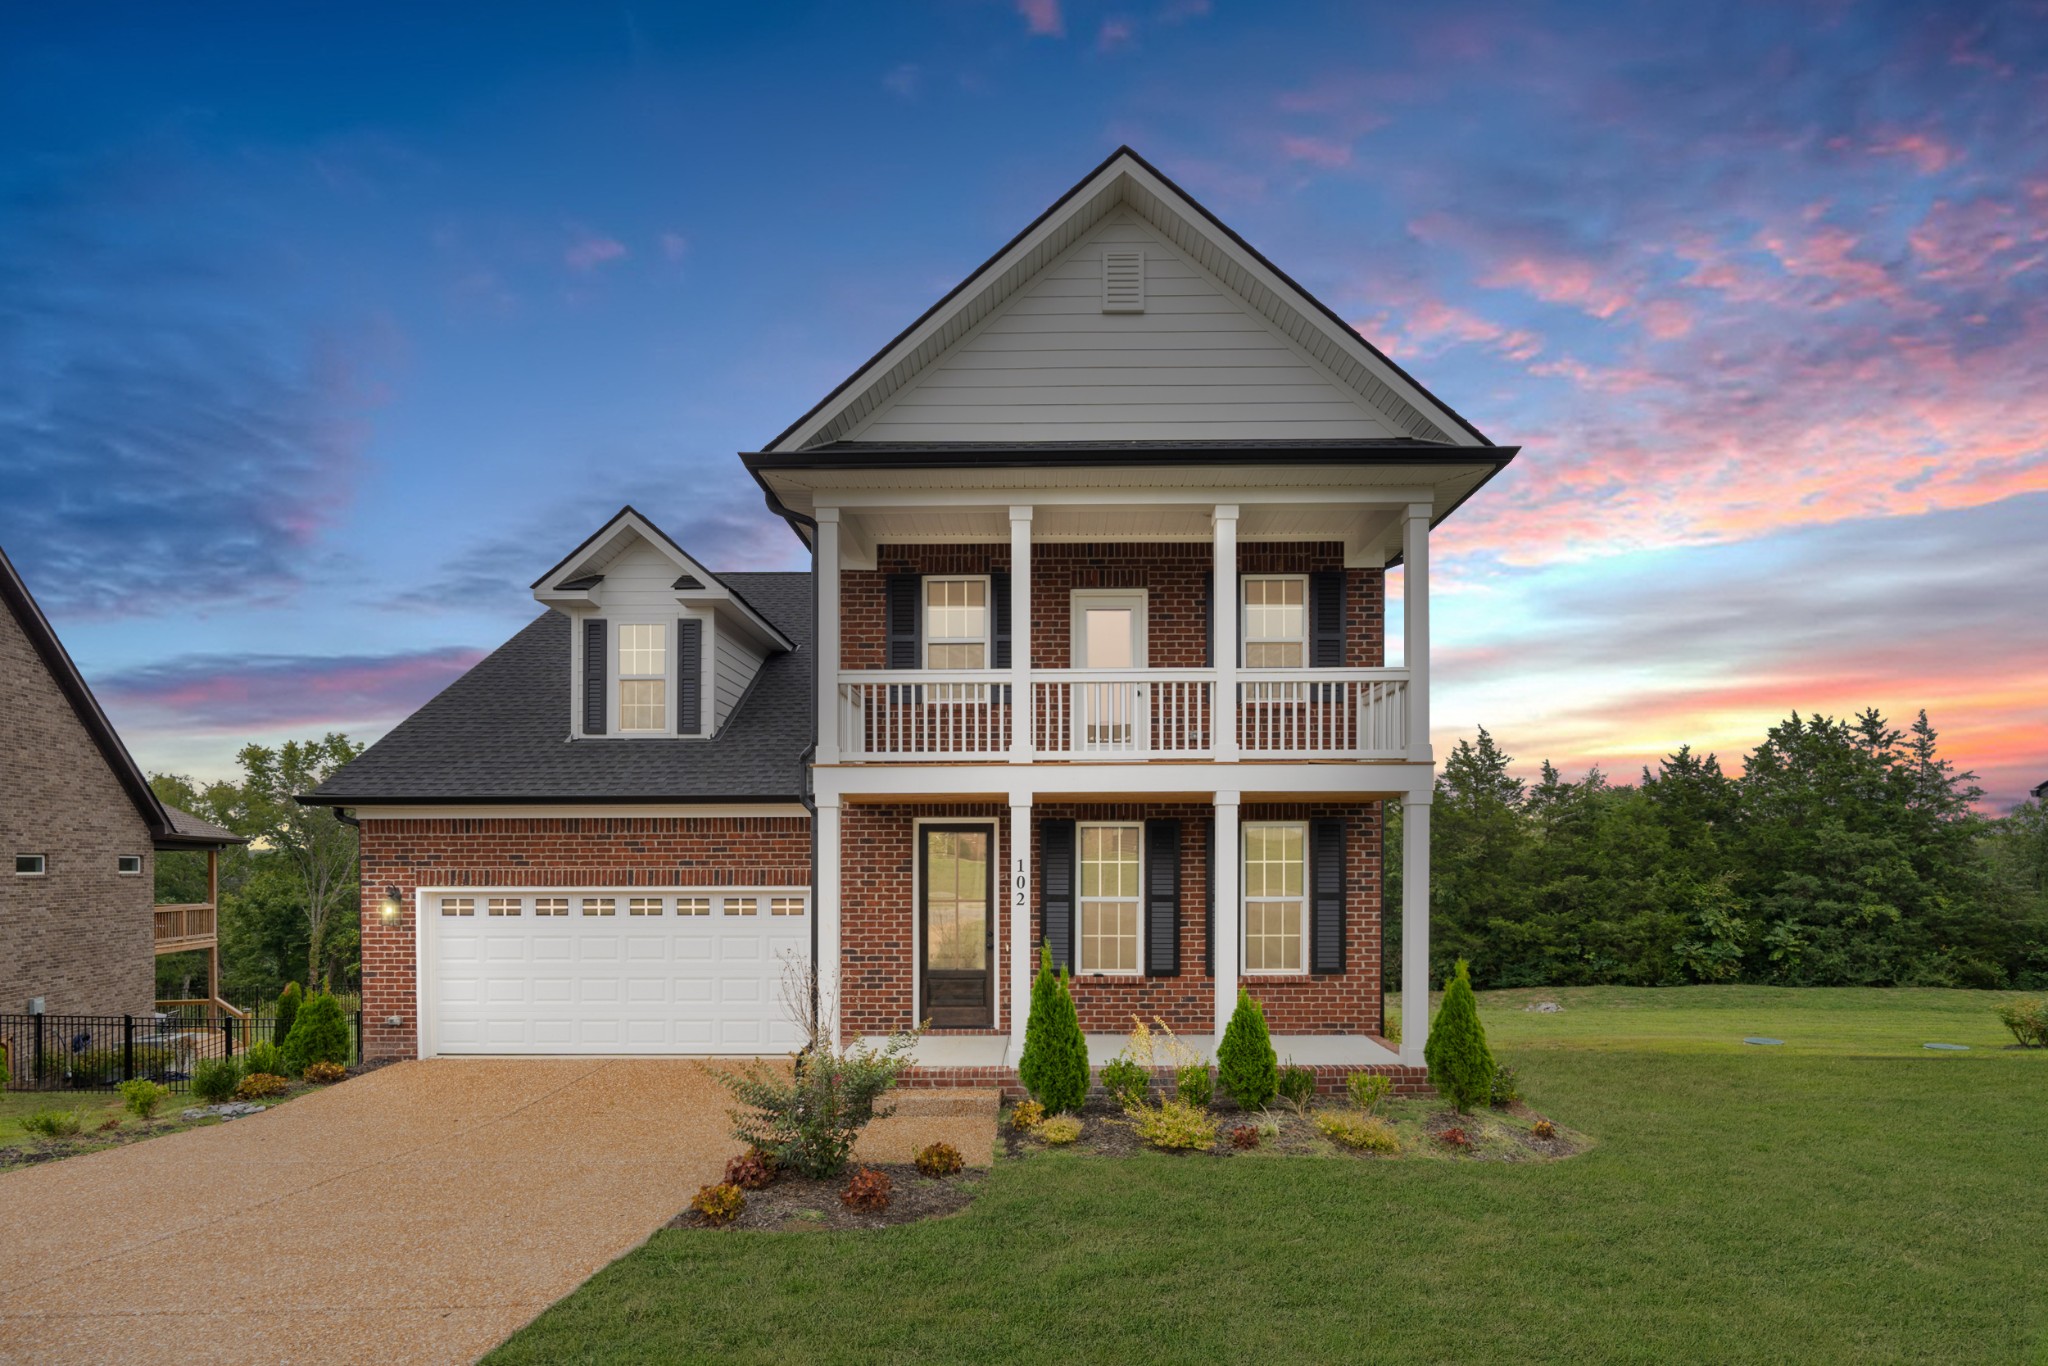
(669, 983)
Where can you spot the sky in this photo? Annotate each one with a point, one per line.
(324, 330)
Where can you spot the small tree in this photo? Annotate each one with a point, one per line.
(319, 1034)
(1245, 1061)
(288, 1003)
(1460, 1064)
(1054, 1067)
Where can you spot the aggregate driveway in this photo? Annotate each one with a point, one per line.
(419, 1213)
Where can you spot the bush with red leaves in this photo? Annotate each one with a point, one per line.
(868, 1190)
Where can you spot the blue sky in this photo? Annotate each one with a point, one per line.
(323, 330)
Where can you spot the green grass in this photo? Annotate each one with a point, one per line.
(1848, 1197)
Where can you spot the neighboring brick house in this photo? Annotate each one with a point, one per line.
(1091, 665)
(79, 827)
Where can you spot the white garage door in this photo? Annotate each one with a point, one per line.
(610, 970)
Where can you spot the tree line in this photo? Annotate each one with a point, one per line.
(288, 897)
(1848, 853)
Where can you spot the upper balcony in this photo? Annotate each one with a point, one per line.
(1154, 625)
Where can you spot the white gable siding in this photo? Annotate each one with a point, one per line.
(639, 579)
(733, 670)
(1051, 365)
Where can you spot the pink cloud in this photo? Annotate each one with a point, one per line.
(591, 250)
(1431, 326)
(1559, 280)
(1317, 151)
(1929, 154)
(1115, 34)
(244, 693)
(1043, 17)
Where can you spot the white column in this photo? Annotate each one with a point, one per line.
(1223, 620)
(1414, 926)
(1415, 627)
(827, 550)
(1021, 702)
(1017, 893)
(1224, 863)
(827, 911)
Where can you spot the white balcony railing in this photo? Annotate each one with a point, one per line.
(934, 715)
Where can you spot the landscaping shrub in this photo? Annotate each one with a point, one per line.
(94, 1067)
(1194, 1085)
(264, 1057)
(807, 1118)
(1054, 1064)
(2027, 1018)
(288, 1003)
(1506, 1088)
(1028, 1115)
(1244, 1136)
(319, 1034)
(142, 1097)
(1128, 1083)
(214, 1079)
(261, 1086)
(1175, 1124)
(720, 1204)
(1366, 1133)
(1460, 1064)
(1060, 1130)
(869, 1190)
(326, 1073)
(51, 1122)
(750, 1171)
(1245, 1062)
(1368, 1089)
(1297, 1086)
(1455, 1138)
(1543, 1128)
(940, 1159)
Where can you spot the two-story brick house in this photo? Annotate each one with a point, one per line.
(1092, 663)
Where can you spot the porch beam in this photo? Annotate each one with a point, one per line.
(1414, 927)
(1394, 497)
(827, 556)
(1223, 868)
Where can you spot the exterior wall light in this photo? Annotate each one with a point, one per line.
(388, 907)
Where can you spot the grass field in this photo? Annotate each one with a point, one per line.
(1850, 1196)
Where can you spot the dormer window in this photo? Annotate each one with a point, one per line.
(643, 677)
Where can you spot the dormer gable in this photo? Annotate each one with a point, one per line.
(660, 647)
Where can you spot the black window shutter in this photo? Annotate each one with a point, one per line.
(1326, 894)
(1162, 898)
(1056, 892)
(594, 689)
(1209, 905)
(689, 677)
(1326, 619)
(902, 592)
(999, 616)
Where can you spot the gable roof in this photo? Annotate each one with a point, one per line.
(1127, 179)
(581, 571)
(497, 734)
(169, 828)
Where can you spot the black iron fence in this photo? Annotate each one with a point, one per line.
(99, 1052)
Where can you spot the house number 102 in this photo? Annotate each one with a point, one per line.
(1022, 882)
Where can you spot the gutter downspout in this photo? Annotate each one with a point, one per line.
(804, 782)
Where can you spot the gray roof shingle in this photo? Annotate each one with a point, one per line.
(500, 732)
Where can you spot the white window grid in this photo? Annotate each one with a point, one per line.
(1110, 902)
(504, 907)
(548, 906)
(458, 905)
(643, 676)
(1275, 884)
(1275, 621)
(643, 906)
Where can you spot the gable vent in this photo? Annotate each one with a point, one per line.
(1123, 282)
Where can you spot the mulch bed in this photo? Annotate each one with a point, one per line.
(797, 1203)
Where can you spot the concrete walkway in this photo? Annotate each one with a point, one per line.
(421, 1213)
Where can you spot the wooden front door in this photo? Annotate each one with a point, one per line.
(956, 925)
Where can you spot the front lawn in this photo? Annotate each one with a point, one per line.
(1849, 1196)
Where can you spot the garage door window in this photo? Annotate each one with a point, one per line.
(786, 905)
(551, 905)
(742, 905)
(505, 905)
(458, 905)
(600, 905)
(643, 905)
(693, 905)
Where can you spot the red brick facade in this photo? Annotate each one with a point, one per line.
(878, 924)
(585, 851)
(1175, 574)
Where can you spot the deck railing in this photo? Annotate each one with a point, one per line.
(180, 925)
(1080, 715)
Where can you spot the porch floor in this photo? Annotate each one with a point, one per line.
(1305, 1050)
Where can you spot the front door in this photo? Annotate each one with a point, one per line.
(1109, 634)
(956, 925)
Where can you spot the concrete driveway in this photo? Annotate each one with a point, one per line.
(420, 1213)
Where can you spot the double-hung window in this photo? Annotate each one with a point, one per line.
(1111, 903)
(1275, 897)
(956, 633)
(1275, 621)
(643, 677)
